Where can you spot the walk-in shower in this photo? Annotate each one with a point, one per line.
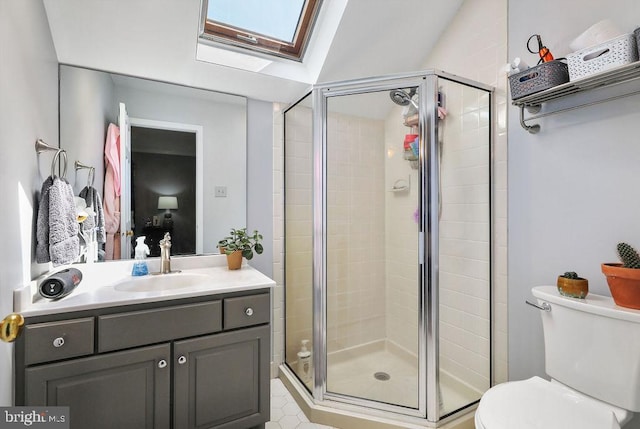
(388, 244)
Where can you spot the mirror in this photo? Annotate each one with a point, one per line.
(187, 154)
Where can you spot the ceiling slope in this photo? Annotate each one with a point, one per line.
(157, 40)
(380, 37)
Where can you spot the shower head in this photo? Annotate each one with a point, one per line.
(401, 98)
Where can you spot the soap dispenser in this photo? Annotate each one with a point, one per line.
(140, 267)
(304, 362)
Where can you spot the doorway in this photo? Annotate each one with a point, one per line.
(165, 167)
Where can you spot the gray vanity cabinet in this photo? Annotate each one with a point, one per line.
(125, 390)
(201, 362)
(221, 381)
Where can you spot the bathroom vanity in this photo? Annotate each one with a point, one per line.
(181, 357)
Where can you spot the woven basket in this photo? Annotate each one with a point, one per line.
(538, 78)
(613, 53)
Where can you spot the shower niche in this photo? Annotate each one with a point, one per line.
(387, 215)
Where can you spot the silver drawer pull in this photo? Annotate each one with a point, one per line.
(248, 311)
(544, 306)
(182, 360)
(58, 342)
(162, 363)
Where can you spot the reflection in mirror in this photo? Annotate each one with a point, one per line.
(188, 144)
(153, 189)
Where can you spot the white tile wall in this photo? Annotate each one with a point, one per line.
(475, 46)
(355, 192)
(355, 231)
(401, 239)
(298, 242)
(464, 239)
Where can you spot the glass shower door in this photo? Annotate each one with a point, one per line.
(372, 231)
(298, 214)
(464, 251)
(388, 244)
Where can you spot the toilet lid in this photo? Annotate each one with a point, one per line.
(537, 403)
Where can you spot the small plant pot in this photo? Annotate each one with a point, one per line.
(234, 260)
(573, 288)
(624, 284)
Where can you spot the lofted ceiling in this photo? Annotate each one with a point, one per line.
(157, 39)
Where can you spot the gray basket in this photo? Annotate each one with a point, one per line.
(636, 33)
(595, 59)
(538, 78)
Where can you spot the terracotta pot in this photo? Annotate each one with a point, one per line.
(234, 260)
(573, 288)
(624, 284)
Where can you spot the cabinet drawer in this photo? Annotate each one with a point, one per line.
(46, 342)
(247, 311)
(124, 330)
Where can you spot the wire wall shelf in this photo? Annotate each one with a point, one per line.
(629, 73)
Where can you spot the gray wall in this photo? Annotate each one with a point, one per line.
(260, 179)
(573, 188)
(88, 121)
(225, 154)
(28, 111)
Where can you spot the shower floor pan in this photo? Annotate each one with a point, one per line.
(386, 375)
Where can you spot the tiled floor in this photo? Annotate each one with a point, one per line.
(285, 413)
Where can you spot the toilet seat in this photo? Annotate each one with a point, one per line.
(536, 404)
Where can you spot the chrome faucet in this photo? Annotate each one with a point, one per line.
(165, 254)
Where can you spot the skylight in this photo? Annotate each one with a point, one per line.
(276, 27)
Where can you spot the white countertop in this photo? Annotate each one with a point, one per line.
(96, 290)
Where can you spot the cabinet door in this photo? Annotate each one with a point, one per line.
(119, 390)
(222, 380)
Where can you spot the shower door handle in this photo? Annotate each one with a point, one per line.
(544, 306)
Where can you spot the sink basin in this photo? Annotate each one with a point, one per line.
(161, 282)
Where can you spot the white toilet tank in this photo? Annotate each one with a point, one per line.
(592, 346)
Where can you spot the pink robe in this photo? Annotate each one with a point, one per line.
(111, 200)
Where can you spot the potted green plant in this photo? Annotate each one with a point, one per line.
(240, 244)
(572, 285)
(624, 279)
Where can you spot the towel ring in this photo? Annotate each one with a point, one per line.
(91, 176)
(41, 146)
(56, 158)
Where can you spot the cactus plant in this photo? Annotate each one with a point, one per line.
(628, 256)
(570, 275)
(572, 285)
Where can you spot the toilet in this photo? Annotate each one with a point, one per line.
(592, 354)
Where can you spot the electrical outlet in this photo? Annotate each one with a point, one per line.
(221, 191)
